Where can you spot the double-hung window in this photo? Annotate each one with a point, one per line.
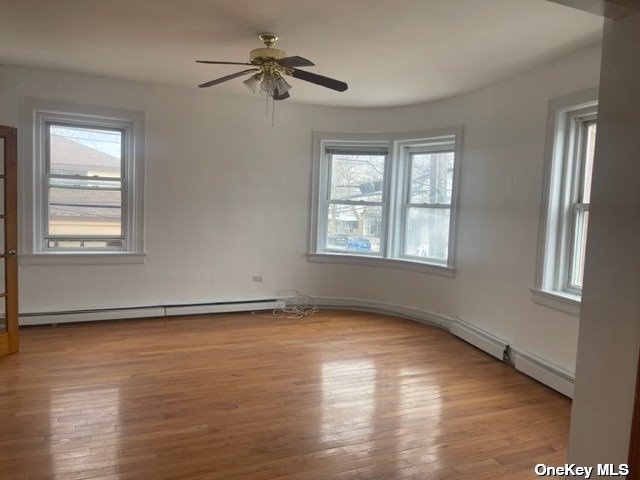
(84, 178)
(427, 211)
(355, 200)
(566, 197)
(84, 183)
(387, 200)
(581, 194)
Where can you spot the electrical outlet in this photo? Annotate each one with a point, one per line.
(256, 278)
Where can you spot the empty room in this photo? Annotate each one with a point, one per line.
(374, 239)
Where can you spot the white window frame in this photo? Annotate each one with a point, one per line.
(394, 197)
(563, 174)
(583, 121)
(325, 200)
(439, 144)
(36, 115)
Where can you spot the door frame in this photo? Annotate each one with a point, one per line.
(9, 340)
(634, 441)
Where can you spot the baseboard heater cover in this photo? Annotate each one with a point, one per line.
(480, 339)
(200, 309)
(543, 371)
(415, 314)
(74, 316)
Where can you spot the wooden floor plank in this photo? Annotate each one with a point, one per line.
(340, 395)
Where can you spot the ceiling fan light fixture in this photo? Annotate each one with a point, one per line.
(253, 82)
(268, 86)
(282, 86)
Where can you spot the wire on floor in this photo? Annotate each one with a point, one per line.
(290, 304)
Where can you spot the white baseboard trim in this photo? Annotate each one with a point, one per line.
(481, 339)
(47, 318)
(543, 371)
(418, 315)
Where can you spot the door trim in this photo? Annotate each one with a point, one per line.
(634, 441)
(9, 340)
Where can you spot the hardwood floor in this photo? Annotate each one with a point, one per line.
(341, 395)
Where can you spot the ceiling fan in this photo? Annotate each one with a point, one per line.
(270, 65)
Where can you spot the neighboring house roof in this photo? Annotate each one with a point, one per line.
(82, 203)
(67, 153)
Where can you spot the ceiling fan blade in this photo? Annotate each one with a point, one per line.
(284, 96)
(319, 80)
(228, 77)
(222, 63)
(295, 62)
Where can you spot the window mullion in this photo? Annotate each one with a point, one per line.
(386, 225)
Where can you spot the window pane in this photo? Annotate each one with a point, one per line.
(85, 207)
(2, 181)
(354, 228)
(3, 315)
(3, 323)
(1, 156)
(427, 233)
(85, 151)
(579, 248)
(431, 177)
(357, 177)
(588, 163)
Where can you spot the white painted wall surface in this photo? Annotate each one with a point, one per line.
(610, 321)
(228, 196)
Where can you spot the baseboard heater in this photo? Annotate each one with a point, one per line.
(73, 316)
(546, 373)
(543, 371)
(481, 339)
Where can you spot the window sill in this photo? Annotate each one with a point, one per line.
(564, 302)
(441, 270)
(93, 258)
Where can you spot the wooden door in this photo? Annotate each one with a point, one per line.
(8, 241)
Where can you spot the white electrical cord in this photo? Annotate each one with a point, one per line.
(291, 304)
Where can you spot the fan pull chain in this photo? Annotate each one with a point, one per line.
(273, 110)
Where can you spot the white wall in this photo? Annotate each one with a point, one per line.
(501, 182)
(610, 321)
(228, 196)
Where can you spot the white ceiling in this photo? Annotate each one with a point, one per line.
(390, 52)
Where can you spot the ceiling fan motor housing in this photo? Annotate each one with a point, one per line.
(261, 54)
